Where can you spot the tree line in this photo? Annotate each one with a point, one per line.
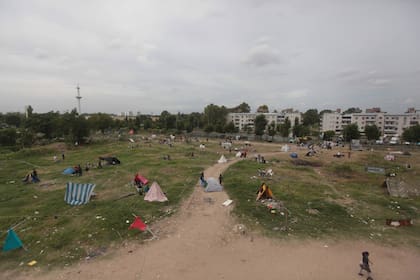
(23, 130)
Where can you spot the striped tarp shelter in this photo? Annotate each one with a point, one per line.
(78, 194)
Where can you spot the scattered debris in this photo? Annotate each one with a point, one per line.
(227, 202)
(399, 223)
(239, 229)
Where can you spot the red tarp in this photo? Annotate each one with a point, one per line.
(138, 224)
(141, 179)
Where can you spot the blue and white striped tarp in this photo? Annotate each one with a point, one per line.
(78, 194)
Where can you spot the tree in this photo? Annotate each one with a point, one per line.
(372, 132)
(325, 111)
(8, 137)
(352, 110)
(412, 134)
(260, 123)
(300, 130)
(262, 109)
(351, 131)
(284, 128)
(272, 129)
(13, 119)
(328, 135)
(241, 108)
(29, 111)
(230, 128)
(311, 117)
(215, 117)
(100, 121)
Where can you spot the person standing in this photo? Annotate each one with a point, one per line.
(220, 178)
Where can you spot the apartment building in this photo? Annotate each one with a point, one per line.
(389, 124)
(245, 121)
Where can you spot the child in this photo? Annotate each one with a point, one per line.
(365, 265)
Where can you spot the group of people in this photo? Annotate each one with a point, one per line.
(31, 177)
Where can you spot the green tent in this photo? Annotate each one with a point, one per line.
(12, 241)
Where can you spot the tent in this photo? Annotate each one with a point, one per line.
(155, 193)
(111, 160)
(202, 146)
(140, 179)
(285, 148)
(213, 185)
(264, 192)
(78, 194)
(69, 170)
(238, 154)
(294, 155)
(12, 241)
(222, 159)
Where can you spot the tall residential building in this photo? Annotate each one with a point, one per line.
(245, 121)
(389, 124)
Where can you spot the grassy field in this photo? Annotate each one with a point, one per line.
(326, 197)
(58, 234)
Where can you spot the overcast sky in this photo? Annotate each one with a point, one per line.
(180, 55)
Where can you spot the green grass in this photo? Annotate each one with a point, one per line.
(337, 200)
(56, 233)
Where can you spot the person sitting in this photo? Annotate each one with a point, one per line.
(34, 176)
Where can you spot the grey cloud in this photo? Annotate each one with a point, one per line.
(263, 55)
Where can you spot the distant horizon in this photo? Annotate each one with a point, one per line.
(202, 110)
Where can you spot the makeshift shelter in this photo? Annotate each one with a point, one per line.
(238, 154)
(140, 180)
(155, 193)
(78, 194)
(213, 185)
(222, 159)
(294, 155)
(69, 171)
(202, 146)
(264, 192)
(285, 148)
(111, 160)
(12, 241)
(400, 188)
(389, 157)
(376, 170)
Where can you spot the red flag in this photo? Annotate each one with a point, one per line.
(138, 224)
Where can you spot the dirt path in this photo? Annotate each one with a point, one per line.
(199, 243)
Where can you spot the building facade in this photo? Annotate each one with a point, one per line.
(244, 122)
(389, 124)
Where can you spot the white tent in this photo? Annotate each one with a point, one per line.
(285, 148)
(202, 146)
(222, 159)
(155, 193)
(238, 154)
(213, 185)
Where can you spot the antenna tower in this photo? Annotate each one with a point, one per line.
(78, 97)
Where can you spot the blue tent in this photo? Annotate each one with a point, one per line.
(12, 241)
(294, 155)
(69, 170)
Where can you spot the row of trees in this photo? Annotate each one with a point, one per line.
(23, 130)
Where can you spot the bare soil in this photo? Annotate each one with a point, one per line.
(200, 242)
